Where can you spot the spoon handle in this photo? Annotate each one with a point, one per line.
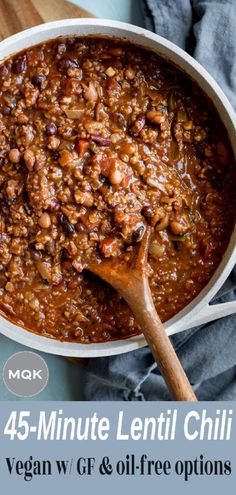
(131, 281)
(163, 352)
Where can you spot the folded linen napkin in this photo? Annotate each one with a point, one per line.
(205, 28)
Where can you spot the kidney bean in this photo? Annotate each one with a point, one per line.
(66, 225)
(6, 110)
(2, 237)
(101, 141)
(51, 129)
(54, 203)
(3, 70)
(55, 155)
(66, 63)
(37, 79)
(20, 65)
(138, 233)
(44, 221)
(116, 176)
(80, 227)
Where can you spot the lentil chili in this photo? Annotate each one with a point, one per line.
(98, 139)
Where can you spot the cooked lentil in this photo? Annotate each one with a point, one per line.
(98, 139)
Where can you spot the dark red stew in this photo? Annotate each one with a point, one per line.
(98, 140)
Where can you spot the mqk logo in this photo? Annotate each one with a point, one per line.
(25, 374)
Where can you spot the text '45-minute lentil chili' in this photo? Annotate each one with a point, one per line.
(98, 139)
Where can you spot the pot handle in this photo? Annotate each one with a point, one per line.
(212, 312)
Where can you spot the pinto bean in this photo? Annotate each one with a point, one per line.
(45, 221)
(14, 155)
(116, 51)
(98, 140)
(156, 117)
(53, 143)
(129, 73)
(101, 141)
(177, 228)
(117, 172)
(54, 203)
(29, 159)
(90, 92)
(147, 211)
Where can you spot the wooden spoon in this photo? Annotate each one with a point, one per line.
(130, 279)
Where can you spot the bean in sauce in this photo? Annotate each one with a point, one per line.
(98, 139)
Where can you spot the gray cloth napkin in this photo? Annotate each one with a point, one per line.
(205, 28)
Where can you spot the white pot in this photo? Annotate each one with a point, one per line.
(198, 311)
